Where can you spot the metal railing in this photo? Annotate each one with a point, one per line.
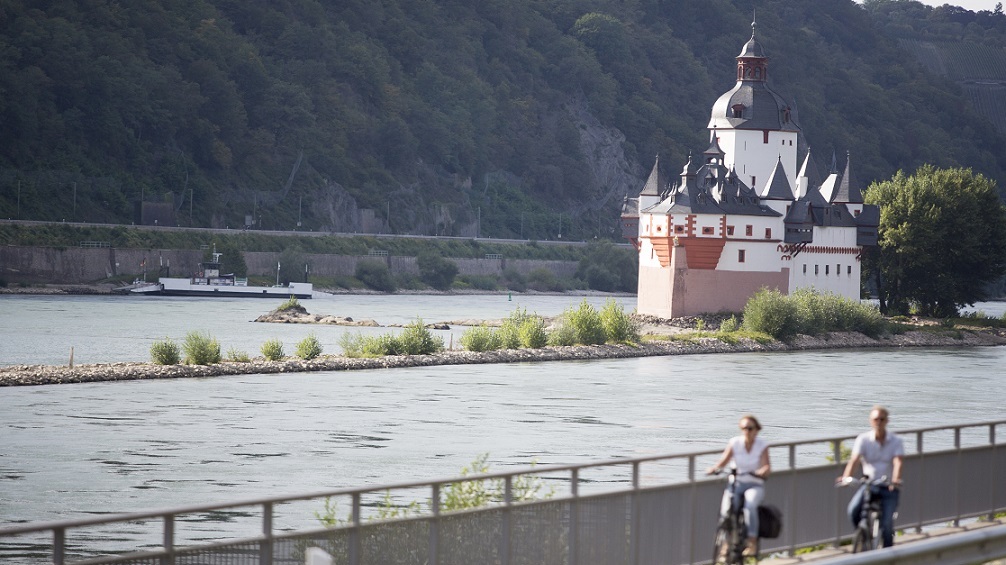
(633, 511)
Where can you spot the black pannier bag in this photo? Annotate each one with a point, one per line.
(769, 521)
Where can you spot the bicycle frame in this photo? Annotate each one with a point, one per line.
(731, 534)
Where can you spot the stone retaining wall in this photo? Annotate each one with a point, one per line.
(76, 265)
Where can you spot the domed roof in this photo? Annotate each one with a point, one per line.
(751, 105)
(752, 49)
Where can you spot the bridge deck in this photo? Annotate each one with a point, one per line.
(902, 538)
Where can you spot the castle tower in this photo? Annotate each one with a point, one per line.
(753, 124)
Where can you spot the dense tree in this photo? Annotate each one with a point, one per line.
(436, 271)
(942, 240)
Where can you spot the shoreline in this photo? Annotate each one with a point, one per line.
(36, 375)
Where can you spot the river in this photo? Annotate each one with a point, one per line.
(74, 450)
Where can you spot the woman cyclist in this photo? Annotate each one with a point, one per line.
(749, 455)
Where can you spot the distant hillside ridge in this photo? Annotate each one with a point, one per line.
(506, 119)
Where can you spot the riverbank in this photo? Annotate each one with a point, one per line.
(29, 375)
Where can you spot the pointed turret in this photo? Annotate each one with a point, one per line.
(778, 186)
(655, 184)
(714, 154)
(808, 178)
(848, 190)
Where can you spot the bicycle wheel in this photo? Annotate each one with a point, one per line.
(721, 545)
(862, 541)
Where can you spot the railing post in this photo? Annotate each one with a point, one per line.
(59, 546)
(506, 542)
(791, 505)
(691, 508)
(574, 517)
(922, 472)
(634, 515)
(169, 540)
(354, 534)
(434, 550)
(993, 473)
(957, 487)
(839, 519)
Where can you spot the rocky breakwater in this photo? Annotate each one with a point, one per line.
(22, 375)
(297, 314)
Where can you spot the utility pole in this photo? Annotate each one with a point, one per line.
(19, 199)
(560, 225)
(75, 201)
(300, 207)
(478, 228)
(190, 207)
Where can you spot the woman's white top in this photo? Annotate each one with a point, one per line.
(747, 461)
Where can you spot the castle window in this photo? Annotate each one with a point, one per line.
(737, 111)
(679, 229)
(849, 272)
(740, 256)
(838, 269)
(764, 133)
(707, 230)
(817, 269)
(659, 229)
(827, 269)
(730, 230)
(768, 233)
(856, 213)
(748, 230)
(805, 268)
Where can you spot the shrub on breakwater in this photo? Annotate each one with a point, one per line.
(201, 349)
(272, 349)
(164, 352)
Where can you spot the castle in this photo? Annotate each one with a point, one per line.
(745, 216)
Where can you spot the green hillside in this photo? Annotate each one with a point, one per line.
(523, 118)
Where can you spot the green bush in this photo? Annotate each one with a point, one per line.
(272, 349)
(768, 311)
(201, 349)
(619, 327)
(376, 275)
(587, 324)
(164, 352)
(290, 304)
(543, 280)
(352, 344)
(416, 339)
(308, 348)
(509, 331)
(236, 356)
(436, 271)
(514, 280)
(811, 313)
(379, 346)
(480, 282)
(563, 333)
(480, 338)
(532, 332)
(730, 325)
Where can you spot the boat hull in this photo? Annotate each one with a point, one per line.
(185, 287)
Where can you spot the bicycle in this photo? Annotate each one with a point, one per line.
(867, 537)
(732, 532)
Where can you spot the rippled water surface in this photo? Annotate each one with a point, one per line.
(69, 451)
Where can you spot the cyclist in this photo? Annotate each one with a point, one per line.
(880, 452)
(749, 454)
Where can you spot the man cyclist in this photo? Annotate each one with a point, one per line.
(880, 452)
